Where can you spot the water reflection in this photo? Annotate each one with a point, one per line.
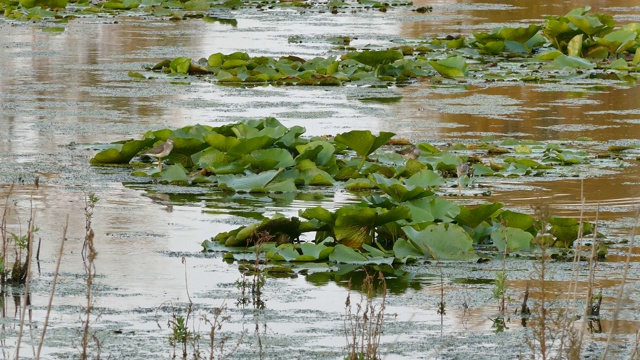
(396, 280)
(455, 17)
(540, 112)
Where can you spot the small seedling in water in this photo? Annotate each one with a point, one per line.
(499, 324)
(20, 241)
(501, 288)
(181, 334)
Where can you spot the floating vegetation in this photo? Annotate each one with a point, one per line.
(575, 45)
(52, 10)
(401, 216)
(266, 156)
(382, 231)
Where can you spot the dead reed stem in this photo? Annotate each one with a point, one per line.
(622, 283)
(593, 261)
(27, 267)
(89, 255)
(53, 287)
(3, 231)
(363, 328)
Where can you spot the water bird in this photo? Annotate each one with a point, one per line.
(160, 151)
(461, 170)
(410, 152)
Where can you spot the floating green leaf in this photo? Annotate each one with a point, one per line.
(45, 4)
(511, 239)
(375, 58)
(404, 249)
(474, 217)
(354, 226)
(442, 242)
(564, 61)
(247, 183)
(346, 255)
(566, 230)
(286, 252)
(636, 57)
(574, 48)
(454, 66)
(438, 208)
(396, 190)
(319, 150)
(589, 24)
(121, 154)
(519, 34)
(514, 219)
(175, 174)
(269, 159)
(180, 65)
(363, 142)
(312, 175)
(318, 251)
(619, 41)
(425, 178)
(196, 5)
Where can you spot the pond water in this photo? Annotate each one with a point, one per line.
(58, 90)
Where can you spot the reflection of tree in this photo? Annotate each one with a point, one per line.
(253, 278)
(483, 15)
(540, 111)
(397, 281)
(69, 79)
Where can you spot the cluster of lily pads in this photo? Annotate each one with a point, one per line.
(36, 10)
(380, 230)
(403, 216)
(577, 40)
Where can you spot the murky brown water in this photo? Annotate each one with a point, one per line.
(73, 87)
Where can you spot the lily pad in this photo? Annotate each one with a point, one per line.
(375, 58)
(454, 66)
(363, 142)
(269, 159)
(442, 242)
(247, 183)
(175, 174)
(474, 217)
(511, 239)
(121, 153)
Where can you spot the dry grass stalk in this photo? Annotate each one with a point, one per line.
(217, 345)
(635, 354)
(53, 287)
(363, 329)
(5, 238)
(543, 243)
(620, 294)
(89, 255)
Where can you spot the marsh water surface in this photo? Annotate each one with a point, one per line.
(59, 91)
